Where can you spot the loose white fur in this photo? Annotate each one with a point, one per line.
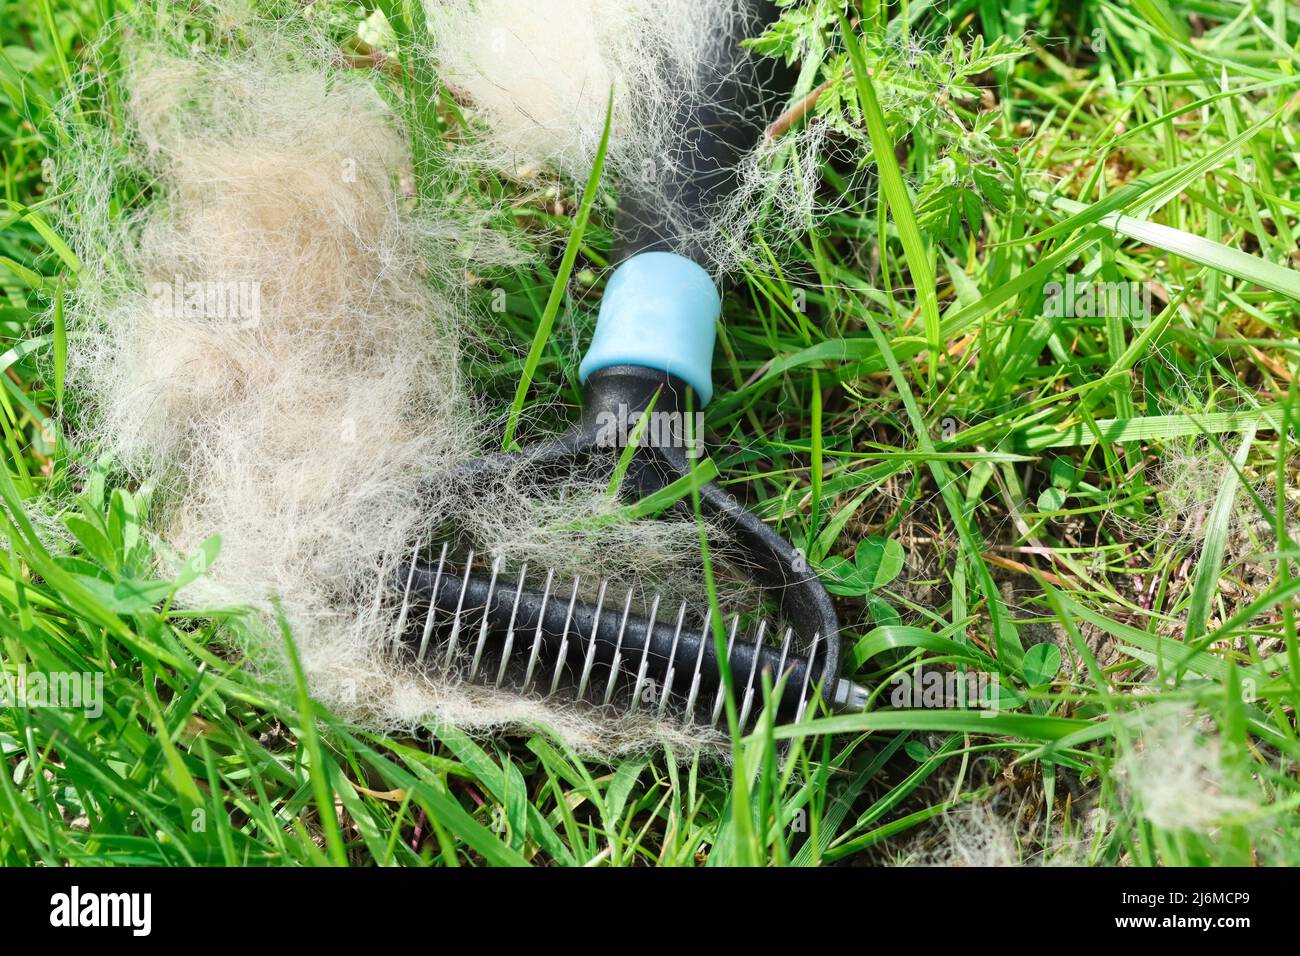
(539, 77)
(541, 74)
(1175, 775)
(1188, 480)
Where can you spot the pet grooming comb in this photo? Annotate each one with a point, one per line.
(653, 341)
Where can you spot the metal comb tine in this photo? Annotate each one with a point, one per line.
(785, 653)
(510, 628)
(807, 678)
(406, 602)
(483, 627)
(753, 671)
(645, 654)
(537, 639)
(618, 650)
(780, 667)
(590, 658)
(699, 662)
(564, 640)
(455, 622)
(433, 603)
(672, 661)
(721, 697)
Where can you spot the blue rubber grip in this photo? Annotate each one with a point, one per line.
(660, 310)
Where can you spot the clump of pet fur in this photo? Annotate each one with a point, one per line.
(314, 432)
(541, 75)
(539, 78)
(576, 528)
(970, 835)
(1188, 480)
(1175, 775)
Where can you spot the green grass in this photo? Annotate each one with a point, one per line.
(895, 377)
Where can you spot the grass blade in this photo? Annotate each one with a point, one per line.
(561, 284)
(894, 190)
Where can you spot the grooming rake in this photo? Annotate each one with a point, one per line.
(537, 635)
(653, 345)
